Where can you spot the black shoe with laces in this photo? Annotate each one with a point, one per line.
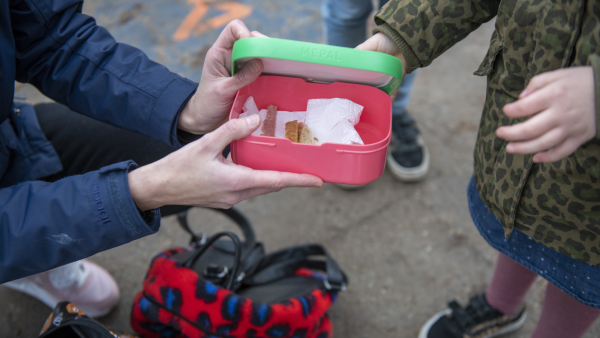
(408, 156)
(477, 320)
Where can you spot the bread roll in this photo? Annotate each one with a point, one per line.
(304, 134)
(291, 131)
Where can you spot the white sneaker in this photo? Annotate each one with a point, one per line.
(83, 283)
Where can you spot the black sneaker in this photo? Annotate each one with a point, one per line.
(477, 320)
(408, 157)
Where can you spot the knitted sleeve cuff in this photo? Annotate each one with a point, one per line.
(412, 62)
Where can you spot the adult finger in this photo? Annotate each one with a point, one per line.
(540, 81)
(249, 193)
(235, 30)
(530, 129)
(564, 149)
(276, 180)
(248, 183)
(531, 104)
(542, 143)
(242, 195)
(247, 74)
(246, 194)
(233, 130)
(216, 205)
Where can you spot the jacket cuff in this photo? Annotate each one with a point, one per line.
(166, 110)
(412, 61)
(124, 213)
(596, 67)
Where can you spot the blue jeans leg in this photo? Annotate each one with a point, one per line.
(346, 26)
(346, 21)
(403, 97)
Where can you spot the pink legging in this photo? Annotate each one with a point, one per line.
(562, 315)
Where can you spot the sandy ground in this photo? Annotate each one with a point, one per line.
(408, 249)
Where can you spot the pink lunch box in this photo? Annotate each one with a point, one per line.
(334, 163)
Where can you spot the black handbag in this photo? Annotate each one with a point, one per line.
(68, 321)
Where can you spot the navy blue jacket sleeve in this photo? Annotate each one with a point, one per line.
(78, 63)
(45, 225)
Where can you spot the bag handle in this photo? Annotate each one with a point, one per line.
(285, 262)
(237, 245)
(233, 214)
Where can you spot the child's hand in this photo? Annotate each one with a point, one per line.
(383, 44)
(565, 115)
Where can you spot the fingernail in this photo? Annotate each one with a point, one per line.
(510, 148)
(253, 120)
(254, 68)
(524, 93)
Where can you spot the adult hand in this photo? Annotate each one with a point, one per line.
(209, 107)
(563, 115)
(199, 175)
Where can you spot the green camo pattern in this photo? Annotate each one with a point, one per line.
(557, 204)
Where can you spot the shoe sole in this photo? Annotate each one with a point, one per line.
(409, 175)
(510, 328)
(40, 294)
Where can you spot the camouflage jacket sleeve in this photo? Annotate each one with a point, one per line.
(596, 66)
(424, 29)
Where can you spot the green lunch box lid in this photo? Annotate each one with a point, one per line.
(320, 63)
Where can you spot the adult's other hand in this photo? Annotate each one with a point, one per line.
(199, 175)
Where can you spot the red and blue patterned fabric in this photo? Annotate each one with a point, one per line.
(176, 302)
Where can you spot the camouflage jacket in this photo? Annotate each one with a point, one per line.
(557, 204)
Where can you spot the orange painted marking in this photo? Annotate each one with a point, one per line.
(232, 11)
(191, 23)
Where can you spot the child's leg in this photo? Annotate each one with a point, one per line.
(564, 316)
(509, 285)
